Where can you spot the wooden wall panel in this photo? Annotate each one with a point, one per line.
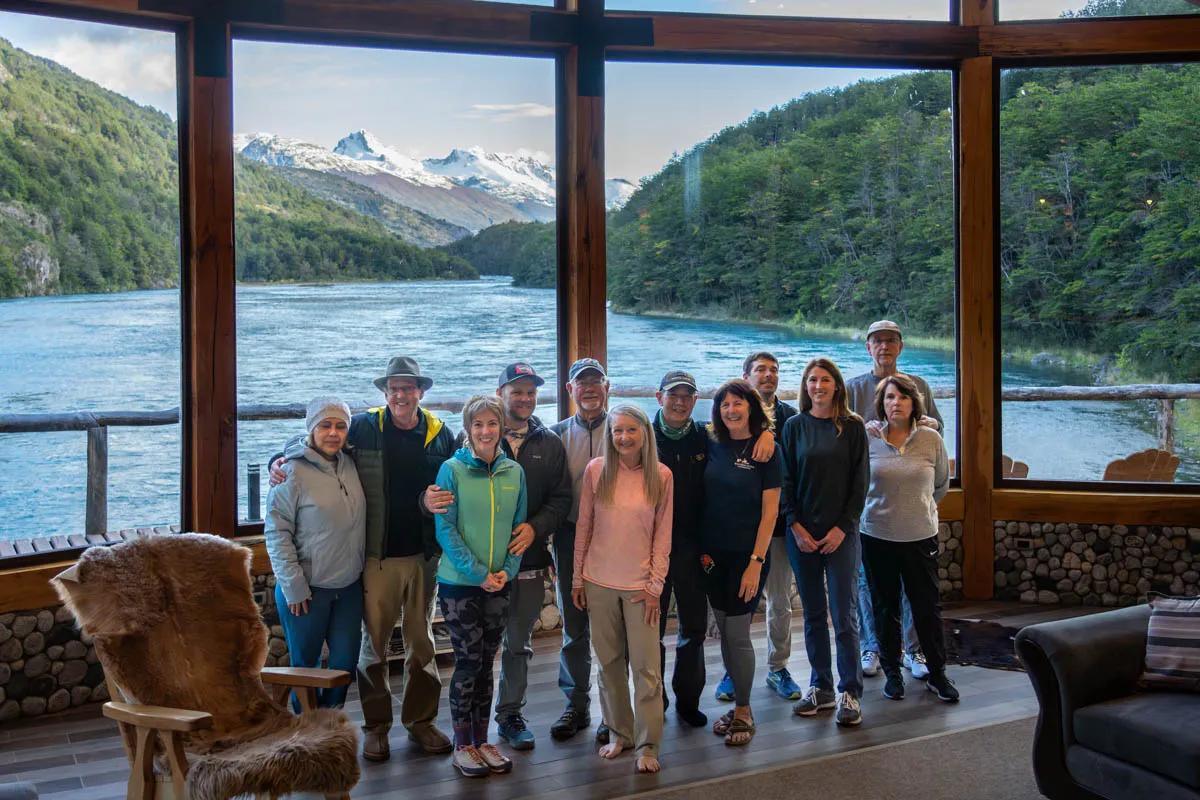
(1102, 38)
(1029, 505)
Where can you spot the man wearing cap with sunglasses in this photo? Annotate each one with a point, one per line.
(885, 342)
(398, 449)
(583, 437)
(548, 489)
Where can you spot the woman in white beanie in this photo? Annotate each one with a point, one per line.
(316, 535)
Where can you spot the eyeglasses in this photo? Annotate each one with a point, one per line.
(393, 391)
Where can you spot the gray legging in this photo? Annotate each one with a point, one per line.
(737, 652)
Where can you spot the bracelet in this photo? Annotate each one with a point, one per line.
(758, 558)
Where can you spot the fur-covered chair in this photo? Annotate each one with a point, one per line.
(181, 641)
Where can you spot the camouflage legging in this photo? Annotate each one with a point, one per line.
(476, 621)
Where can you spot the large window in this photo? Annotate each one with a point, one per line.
(1083, 9)
(1100, 269)
(780, 209)
(862, 9)
(89, 277)
(423, 226)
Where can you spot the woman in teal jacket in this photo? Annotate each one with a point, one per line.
(474, 574)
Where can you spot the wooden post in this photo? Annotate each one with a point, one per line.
(1166, 425)
(978, 216)
(96, 516)
(209, 403)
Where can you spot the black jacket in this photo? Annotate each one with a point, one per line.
(547, 488)
(783, 411)
(686, 458)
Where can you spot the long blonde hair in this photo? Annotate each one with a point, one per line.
(652, 484)
(841, 404)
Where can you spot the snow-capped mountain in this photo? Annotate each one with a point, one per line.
(470, 187)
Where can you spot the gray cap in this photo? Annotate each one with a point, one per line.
(320, 408)
(677, 377)
(884, 325)
(403, 367)
(583, 365)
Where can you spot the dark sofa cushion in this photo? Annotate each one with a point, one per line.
(1155, 730)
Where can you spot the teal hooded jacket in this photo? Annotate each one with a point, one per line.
(474, 533)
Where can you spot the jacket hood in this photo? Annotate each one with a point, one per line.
(300, 450)
(502, 462)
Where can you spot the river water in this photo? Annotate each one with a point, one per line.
(121, 351)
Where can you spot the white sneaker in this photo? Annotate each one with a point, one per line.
(915, 663)
(849, 712)
(870, 663)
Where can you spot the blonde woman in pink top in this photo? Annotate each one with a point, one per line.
(622, 548)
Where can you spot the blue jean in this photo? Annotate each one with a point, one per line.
(839, 570)
(335, 617)
(866, 620)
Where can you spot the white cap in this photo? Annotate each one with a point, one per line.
(884, 325)
(320, 408)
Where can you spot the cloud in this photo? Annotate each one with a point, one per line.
(129, 63)
(509, 112)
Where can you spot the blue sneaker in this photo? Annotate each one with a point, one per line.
(725, 688)
(514, 732)
(781, 681)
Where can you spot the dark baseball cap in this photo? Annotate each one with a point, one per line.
(583, 365)
(517, 371)
(677, 377)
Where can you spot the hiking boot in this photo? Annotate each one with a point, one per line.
(781, 681)
(816, 700)
(870, 663)
(725, 689)
(469, 762)
(603, 734)
(849, 712)
(915, 663)
(514, 732)
(495, 760)
(430, 739)
(570, 723)
(893, 686)
(375, 746)
(943, 687)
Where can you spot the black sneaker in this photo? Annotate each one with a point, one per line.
(692, 716)
(602, 734)
(893, 686)
(570, 723)
(943, 687)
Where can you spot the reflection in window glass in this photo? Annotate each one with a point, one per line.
(862, 9)
(420, 226)
(1100, 182)
(1082, 9)
(89, 275)
(779, 209)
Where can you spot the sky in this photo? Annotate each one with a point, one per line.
(424, 104)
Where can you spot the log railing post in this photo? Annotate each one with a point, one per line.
(96, 516)
(1166, 424)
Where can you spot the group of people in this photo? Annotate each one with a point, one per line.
(374, 515)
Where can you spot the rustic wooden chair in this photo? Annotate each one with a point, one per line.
(1145, 465)
(183, 645)
(1013, 469)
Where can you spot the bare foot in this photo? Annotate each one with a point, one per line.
(611, 750)
(647, 764)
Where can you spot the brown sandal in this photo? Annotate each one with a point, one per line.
(721, 726)
(739, 726)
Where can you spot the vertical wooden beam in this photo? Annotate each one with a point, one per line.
(978, 331)
(978, 12)
(209, 402)
(581, 237)
(96, 514)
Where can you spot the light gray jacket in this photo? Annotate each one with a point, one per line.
(316, 525)
(583, 442)
(906, 484)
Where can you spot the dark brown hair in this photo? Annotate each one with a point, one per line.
(760, 419)
(907, 387)
(841, 403)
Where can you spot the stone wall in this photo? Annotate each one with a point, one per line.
(950, 574)
(1095, 565)
(46, 665)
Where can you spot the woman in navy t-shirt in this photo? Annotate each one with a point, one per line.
(741, 503)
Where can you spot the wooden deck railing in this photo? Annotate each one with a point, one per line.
(96, 424)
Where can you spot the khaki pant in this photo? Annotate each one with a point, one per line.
(622, 639)
(398, 589)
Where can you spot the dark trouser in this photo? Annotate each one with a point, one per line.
(686, 580)
(575, 661)
(525, 606)
(837, 572)
(476, 620)
(334, 616)
(910, 568)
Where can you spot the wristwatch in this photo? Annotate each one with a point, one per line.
(758, 558)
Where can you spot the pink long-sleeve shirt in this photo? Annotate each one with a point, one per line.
(625, 544)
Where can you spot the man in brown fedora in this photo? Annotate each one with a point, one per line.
(398, 448)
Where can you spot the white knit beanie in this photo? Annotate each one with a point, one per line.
(320, 408)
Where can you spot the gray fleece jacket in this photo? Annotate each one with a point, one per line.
(906, 484)
(316, 525)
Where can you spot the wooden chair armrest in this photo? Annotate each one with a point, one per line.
(307, 677)
(158, 717)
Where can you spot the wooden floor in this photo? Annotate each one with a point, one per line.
(78, 755)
